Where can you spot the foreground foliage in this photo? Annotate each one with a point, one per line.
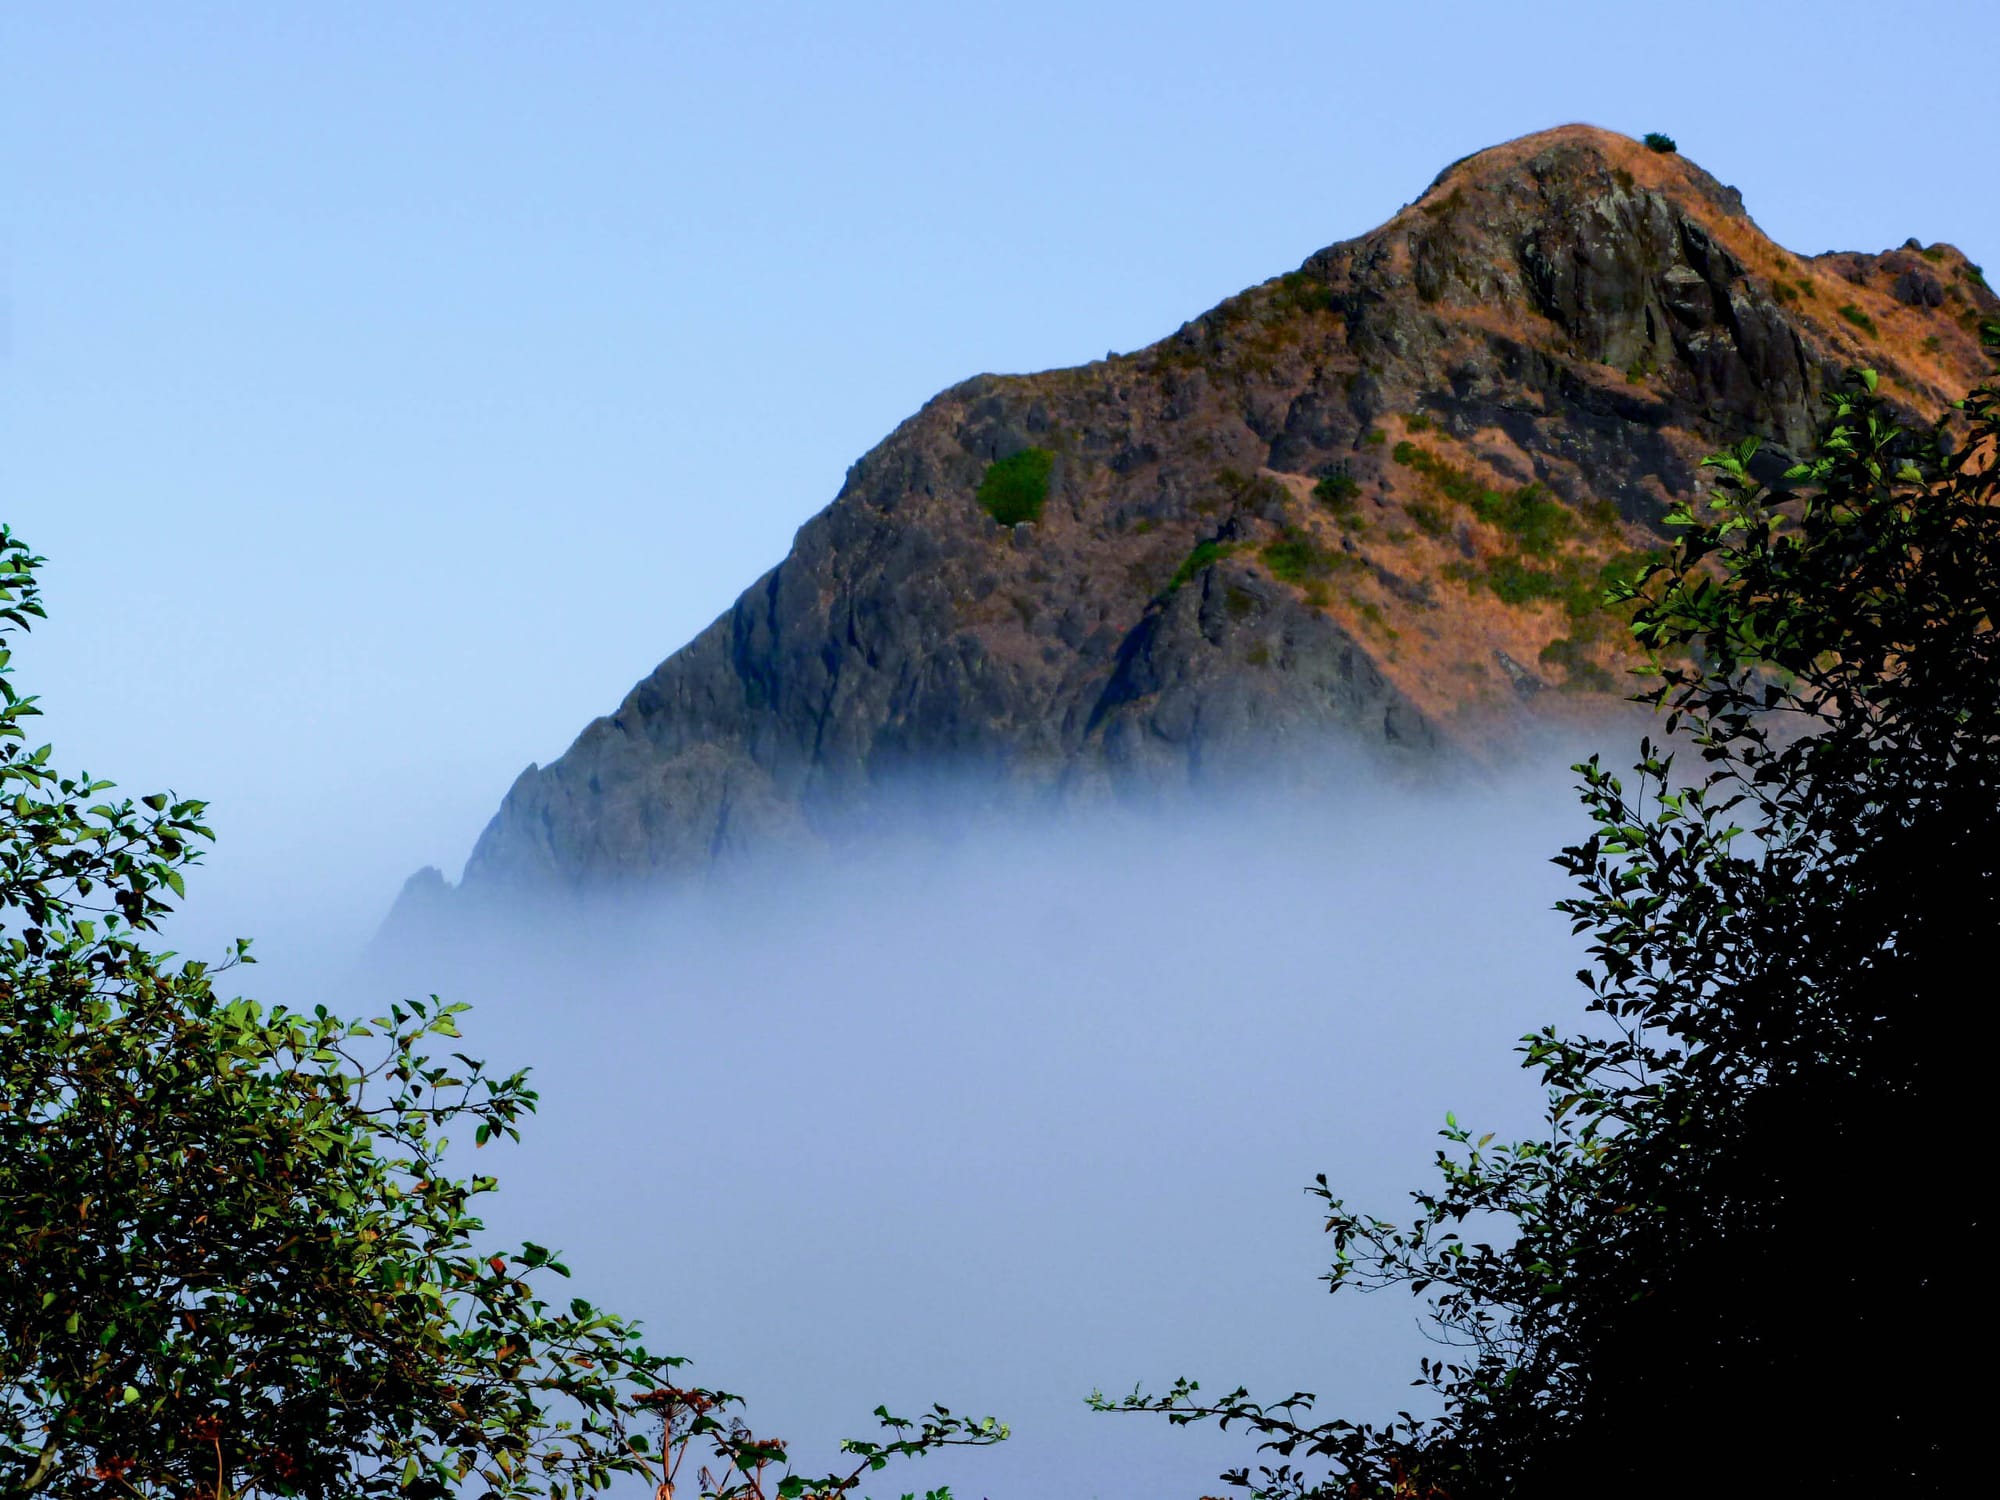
(1742, 1251)
(231, 1262)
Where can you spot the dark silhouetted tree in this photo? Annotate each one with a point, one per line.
(1746, 1253)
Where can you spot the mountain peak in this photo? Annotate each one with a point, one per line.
(1579, 152)
(1371, 502)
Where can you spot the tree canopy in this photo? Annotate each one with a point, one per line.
(232, 1261)
(1743, 1251)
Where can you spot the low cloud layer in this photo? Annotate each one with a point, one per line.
(997, 1123)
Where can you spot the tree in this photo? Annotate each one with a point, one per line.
(1741, 1251)
(230, 1260)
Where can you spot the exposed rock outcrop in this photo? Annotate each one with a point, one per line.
(1368, 501)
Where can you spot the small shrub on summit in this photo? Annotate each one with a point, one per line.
(1015, 488)
(1664, 144)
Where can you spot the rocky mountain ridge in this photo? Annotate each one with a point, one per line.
(1370, 503)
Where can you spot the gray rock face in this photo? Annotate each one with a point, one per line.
(781, 722)
(1568, 310)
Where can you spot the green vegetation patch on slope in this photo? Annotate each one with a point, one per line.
(1296, 557)
(1340, 493)
(1530, 516)
(1015, 488)
(1299, 293)
(1204, 556)
(1595, 618)
(1540, 565)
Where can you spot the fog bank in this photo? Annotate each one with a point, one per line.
(1000, 1122)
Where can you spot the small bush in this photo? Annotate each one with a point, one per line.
(1340, 493)
(1858, 318)
(1932, 253)
(1015, 488)
(1337, 489)
(1664, 144)
(1298, 292)
(1536, 521)
(1296, 558)
(1418, 421)
(1374, 437)
(1515, 582)
(1205, 555)
(1428, 518)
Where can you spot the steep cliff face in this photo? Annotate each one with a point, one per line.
(1371, 502)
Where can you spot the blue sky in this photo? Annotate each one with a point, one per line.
(391, 386)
